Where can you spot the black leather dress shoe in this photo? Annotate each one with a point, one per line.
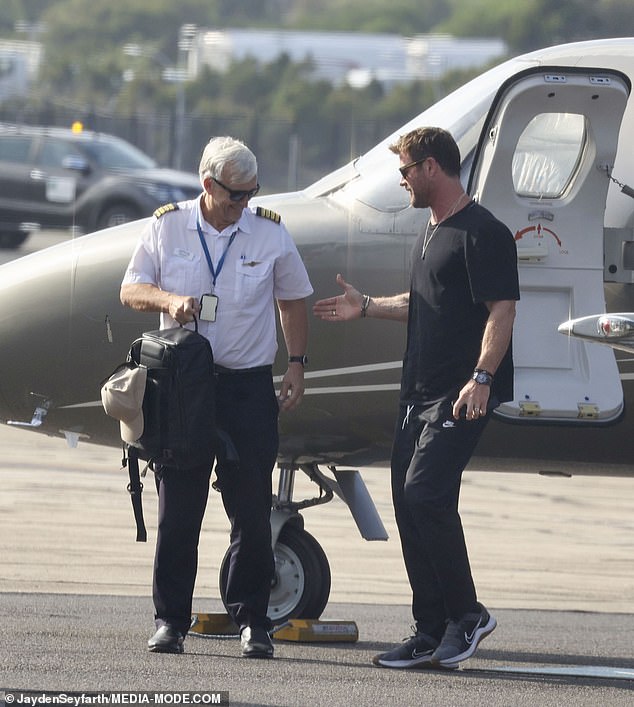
(256, 642)
(166, 640)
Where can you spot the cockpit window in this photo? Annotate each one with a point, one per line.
(373, 178)
(548, 154)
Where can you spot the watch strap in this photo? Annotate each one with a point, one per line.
(482, 376)
(298, 359)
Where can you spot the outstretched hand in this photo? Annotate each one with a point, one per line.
(342, 307)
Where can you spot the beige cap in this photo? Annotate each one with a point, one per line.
(122, 398)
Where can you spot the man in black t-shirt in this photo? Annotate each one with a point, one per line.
(457, 368)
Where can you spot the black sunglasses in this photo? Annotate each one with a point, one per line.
(238, 194)
(406, 167)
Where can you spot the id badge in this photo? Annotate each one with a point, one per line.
(208, 307)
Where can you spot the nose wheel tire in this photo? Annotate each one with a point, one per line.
(301, 584)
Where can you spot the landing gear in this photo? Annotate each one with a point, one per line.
(301, 584)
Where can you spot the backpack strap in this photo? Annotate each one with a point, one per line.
(135, 489)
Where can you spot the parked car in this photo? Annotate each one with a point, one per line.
(65, 178)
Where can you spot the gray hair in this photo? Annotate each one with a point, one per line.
(227, 152)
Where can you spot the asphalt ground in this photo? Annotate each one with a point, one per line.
(552, 559)
(80, 643)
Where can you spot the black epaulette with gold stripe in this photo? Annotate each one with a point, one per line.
(165, 210)
(267, 213)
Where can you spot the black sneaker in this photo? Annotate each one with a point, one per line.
(462, 638)
(414, 652)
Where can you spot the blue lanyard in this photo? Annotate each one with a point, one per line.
(221, 262)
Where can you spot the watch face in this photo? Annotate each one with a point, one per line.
(482, 378)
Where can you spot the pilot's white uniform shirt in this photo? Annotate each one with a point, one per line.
(262, 264)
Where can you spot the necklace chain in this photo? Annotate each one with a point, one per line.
(428, 236)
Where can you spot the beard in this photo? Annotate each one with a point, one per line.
(419, 200)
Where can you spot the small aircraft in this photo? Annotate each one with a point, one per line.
(545, 140)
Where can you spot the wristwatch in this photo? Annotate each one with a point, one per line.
(298, 359)
(482, 377)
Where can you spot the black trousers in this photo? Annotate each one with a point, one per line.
(247, 412)
(430, 452)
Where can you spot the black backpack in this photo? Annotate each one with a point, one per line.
(178, 406)
(179, 400)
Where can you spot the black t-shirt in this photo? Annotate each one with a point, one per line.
(470, 259)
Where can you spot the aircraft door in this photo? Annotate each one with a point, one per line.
(541, 168)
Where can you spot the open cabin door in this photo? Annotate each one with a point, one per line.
(541, 168)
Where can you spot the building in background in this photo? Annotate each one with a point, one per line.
(345, 57)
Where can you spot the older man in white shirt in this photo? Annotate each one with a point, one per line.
(227, 265)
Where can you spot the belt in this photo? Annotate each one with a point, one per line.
(221, 370)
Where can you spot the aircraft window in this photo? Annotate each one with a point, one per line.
(334, 180)
(548, 153)
(373, 178)
(462, 112)
(380, 189)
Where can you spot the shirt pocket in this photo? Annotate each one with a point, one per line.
(253, 280)
(182, 274)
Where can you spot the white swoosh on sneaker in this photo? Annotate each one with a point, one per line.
(469, 637)
(416, 654)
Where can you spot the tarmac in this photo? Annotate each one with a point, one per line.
(552, 559)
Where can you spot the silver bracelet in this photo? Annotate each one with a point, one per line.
(365, 304)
